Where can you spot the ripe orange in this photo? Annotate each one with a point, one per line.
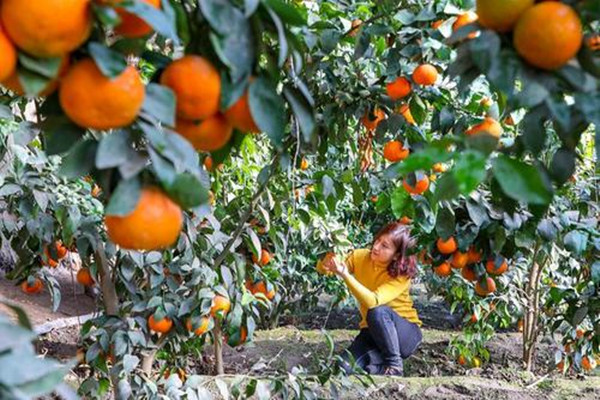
(520, 325)
(489, 125)
(474, 318)
(60, 250)
(560, 366)
(548, 35)
(239, 115)
(374, 199)
(465, 19)
(437, 24)
(197, 86)
(462, 360)
(398, 89)
(162, 326)
(459, 260)
(13, 82)
(405, 220)
(439, 168)
(84, 277)
(201, 329)
(243, 335)
(265, 258)
(8, 63)
(493, 269)
(474, 255)
(447, 246)
(132, 26)
(33, 289)
(208, 163)
(420, 187)
(49, 28)
(220, 305)
(154, 224)
(404, 110)
(468, 272)
(394, 151)
(586, 364)
(209, 135)
(501, 15)
(488, 287)
(443, 269)
(261, 287)
(371, 121)
(425, 75)
(304, 164)
(95, 101)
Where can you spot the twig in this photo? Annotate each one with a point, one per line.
(537, 381)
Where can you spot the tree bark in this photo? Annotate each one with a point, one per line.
(531, 318)
(218, 343)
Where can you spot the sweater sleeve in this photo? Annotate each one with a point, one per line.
(382, 295)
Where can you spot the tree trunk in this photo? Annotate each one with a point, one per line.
(532, 311)
(218, 343)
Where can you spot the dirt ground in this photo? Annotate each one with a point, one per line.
(429, 373)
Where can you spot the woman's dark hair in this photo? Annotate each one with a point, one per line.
(405, 263)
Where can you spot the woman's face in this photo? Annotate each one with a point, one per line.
(383, 250)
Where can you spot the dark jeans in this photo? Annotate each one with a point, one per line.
(388, 339)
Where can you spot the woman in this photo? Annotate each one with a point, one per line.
(380, 279)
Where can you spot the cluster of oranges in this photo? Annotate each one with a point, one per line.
(546, 34)
(465, 262)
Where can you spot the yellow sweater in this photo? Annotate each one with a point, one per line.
(371, 285)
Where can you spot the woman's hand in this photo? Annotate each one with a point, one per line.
(335, 265)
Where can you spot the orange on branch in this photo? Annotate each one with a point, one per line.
(48, 28)
(459, 260)
(370, 121)
(468, 272)
(265, 258)
(493, 268)
(444, 269)
(425, 75)
(404, 110)
(209, 135)
(132, 26)
(8, 62)
(548, 35)
(197, 86)
(474, 255)
(154, 224)
(304, 164)
(447, 246)
(465, 19)
(162, 326)
(239, 115)
(220, 304)
(84, 277)
(33, 289)
(420, 186)
(394, 151)
(488, 287)
(489, 125)
(501, 15)
(95, 101)
(398, 89)
(201, 329)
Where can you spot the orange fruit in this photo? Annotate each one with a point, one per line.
(220, 305)
(209, 135)
(61, 251)
(465, 19)
(162, 326)
(197, 86)
(239, 115)
(405, 220)
(95, 101)
(13, 82)
(473, 318)
(420, 187)
(304, 164)
(486, 102)
(374, 199)
(132, 26)
(398, 88)
(493, 269)
(548, 35)
(468, 272)
(520, 325)
(154, 224)
(579, 333)
(84, 277)
(489, 125)
(404, 110)
(439, 168)
(265, 258)
(509, 120)
(586, 364)
(8, 63)
(243, 334)
(394, 151)
(485, 289)
(459, 260)
(425, 75)
(474, 255)
(443, 269)
(49, 28)
(447, 246)
(501, 15)
(201, 329)
(560, 366)
(437, 24)
(371, 121)
(261, 287)
(96, 191)
(208, 163)
(462, 360)
(33, 289)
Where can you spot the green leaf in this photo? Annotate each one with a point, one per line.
(60, 133)
(109, 62)
(287, 12)
(547, 230)
(595, 272)
(445, 224)
(267, 109)
(399, 201)
(469, 171)
(485, 49)
(187, 191)
(534, 132)
(125, 197)
(23, 321)
(80, 160)
(113, 150)
(576, 242)
(250, 6)
(160, 103)
(562, 166)
(446, 187)
(154, 17)
(303, 112)
(282, 40)
(521, 181)
(45, 67)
